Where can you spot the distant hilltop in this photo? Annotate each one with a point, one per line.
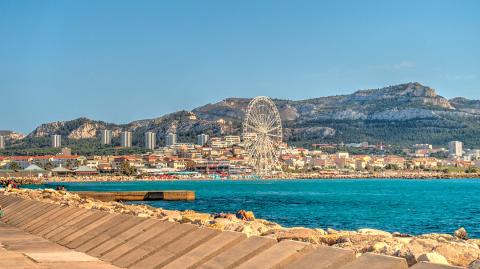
(399, 115)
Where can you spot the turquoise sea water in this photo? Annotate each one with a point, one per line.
(407, 206)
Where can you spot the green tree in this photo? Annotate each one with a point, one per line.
(14, 166)
(471, 170)
(127, 169)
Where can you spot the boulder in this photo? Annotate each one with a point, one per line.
(245, 215)
(225, 216)
(458, 253)
(298, 234)
(461, 234)
(474, 265)
(379, 247)
(432, 257)
(367, 231)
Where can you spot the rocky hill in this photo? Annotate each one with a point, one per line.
(400, 115)
(11, 135)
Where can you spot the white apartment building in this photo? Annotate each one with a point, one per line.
(126, 139)
(2, 142)
(170, 139)
(150, 140)
(202, 139)
(56, 141)
(455, 149)
(106, 137)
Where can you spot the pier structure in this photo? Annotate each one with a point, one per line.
(39, 235)
(177, 195)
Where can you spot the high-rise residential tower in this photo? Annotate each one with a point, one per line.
(56, 141)
(150, 140)
(106, 136)
(202, 139)
(2, 142)
(126, 139)
(455, 148)
(171, 139)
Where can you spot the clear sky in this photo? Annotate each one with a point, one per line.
(120, 61)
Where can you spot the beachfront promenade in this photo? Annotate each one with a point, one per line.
(35, 234)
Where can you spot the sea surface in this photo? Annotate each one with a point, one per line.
(406, 206)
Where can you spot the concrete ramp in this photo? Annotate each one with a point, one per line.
(35, 234)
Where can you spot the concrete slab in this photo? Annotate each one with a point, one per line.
(13, 208)
(60, 256)
(278, 255)
(47, 208)
(14, 260)
(19, 252)
(78, 265)
(147, 242)
(74, 225)
(47, 220)
(238, 253)
(97, 229)
(7, 200)
(124, 224)
(42, 218)
(374, 261)
(424, 265)
(20, 216)
(177, 247)
(86, 229)
(14, 212)
(57, 223)
(32, 246)
(22, 212)
(323, 258)
(122, 238)
(207, 250)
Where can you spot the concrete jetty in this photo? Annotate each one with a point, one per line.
(36, 234)
(177, 195)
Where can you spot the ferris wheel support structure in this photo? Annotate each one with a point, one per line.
(262, 135)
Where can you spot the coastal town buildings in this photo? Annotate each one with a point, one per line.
(106, 137)
(126, 139)
(225, 156)
(150, 140)
(56, 141)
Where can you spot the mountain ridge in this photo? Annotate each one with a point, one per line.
(417, 112)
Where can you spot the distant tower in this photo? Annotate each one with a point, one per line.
(2, 142)
(455, 148)
(126, 139)
(56, 141)
(202, 139)
(150, 140)
(106, 137)
(171, 139)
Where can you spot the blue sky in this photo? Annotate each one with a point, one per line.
(120, 61)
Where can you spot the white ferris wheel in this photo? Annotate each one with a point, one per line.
(262, 134)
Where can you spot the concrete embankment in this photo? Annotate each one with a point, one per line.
(133, 242)
(138, 195)
(442, 248)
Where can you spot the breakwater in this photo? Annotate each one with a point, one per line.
(179, 195)
(455, 249)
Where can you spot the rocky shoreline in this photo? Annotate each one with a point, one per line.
(456, 249)
(284, 176)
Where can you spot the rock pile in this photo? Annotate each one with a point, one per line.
(454, 249)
